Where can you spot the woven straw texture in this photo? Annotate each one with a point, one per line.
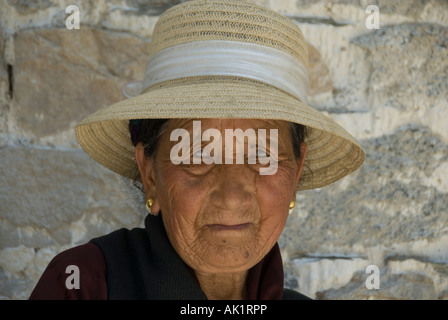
(332, 152)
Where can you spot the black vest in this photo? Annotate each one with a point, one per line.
(142, 264)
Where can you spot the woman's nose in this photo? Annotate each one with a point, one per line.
(233, 188)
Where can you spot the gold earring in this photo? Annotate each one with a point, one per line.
(291, 206)
(148, 205)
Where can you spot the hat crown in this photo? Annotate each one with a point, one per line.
(200, 20)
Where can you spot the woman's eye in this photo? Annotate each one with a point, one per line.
(262, 153)
(197, 154)
(201, 158)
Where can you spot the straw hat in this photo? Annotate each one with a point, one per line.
(223, 59)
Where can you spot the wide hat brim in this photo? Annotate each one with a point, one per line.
(332, 152)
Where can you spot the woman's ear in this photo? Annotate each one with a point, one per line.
(301, 162)
(146, 168)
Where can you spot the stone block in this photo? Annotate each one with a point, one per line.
(314, 274)
(405, 286)
(387, 201)
(409, 69)
(408, 279)
(320, 79)
(61, 76)
(47, 194)
(24, 7)
(152, 7)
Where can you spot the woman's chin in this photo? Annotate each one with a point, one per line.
(228, 259)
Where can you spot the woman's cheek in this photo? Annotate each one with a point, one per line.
(279, 185)
(274, 195)
(184, 197)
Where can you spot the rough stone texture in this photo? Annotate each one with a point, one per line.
(62, 193)
(52, 200)
(60, 75)
(4, 93)
(320, 79)
(378, 213)
(153, 7)
(26, 7)
(357, 219)
(388, 87)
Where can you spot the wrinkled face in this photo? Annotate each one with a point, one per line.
(221, 217)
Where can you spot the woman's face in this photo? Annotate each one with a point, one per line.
(221, 217)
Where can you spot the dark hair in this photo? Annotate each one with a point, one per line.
(148, 132)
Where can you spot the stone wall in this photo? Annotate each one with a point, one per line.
(387, 86)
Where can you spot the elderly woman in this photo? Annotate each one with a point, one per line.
(220, 138)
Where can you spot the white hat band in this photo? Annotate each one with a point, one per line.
(225, 58)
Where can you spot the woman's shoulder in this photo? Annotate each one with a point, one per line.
(76, 273)
(80, 272)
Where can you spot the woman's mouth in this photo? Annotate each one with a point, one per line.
(227, 227)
